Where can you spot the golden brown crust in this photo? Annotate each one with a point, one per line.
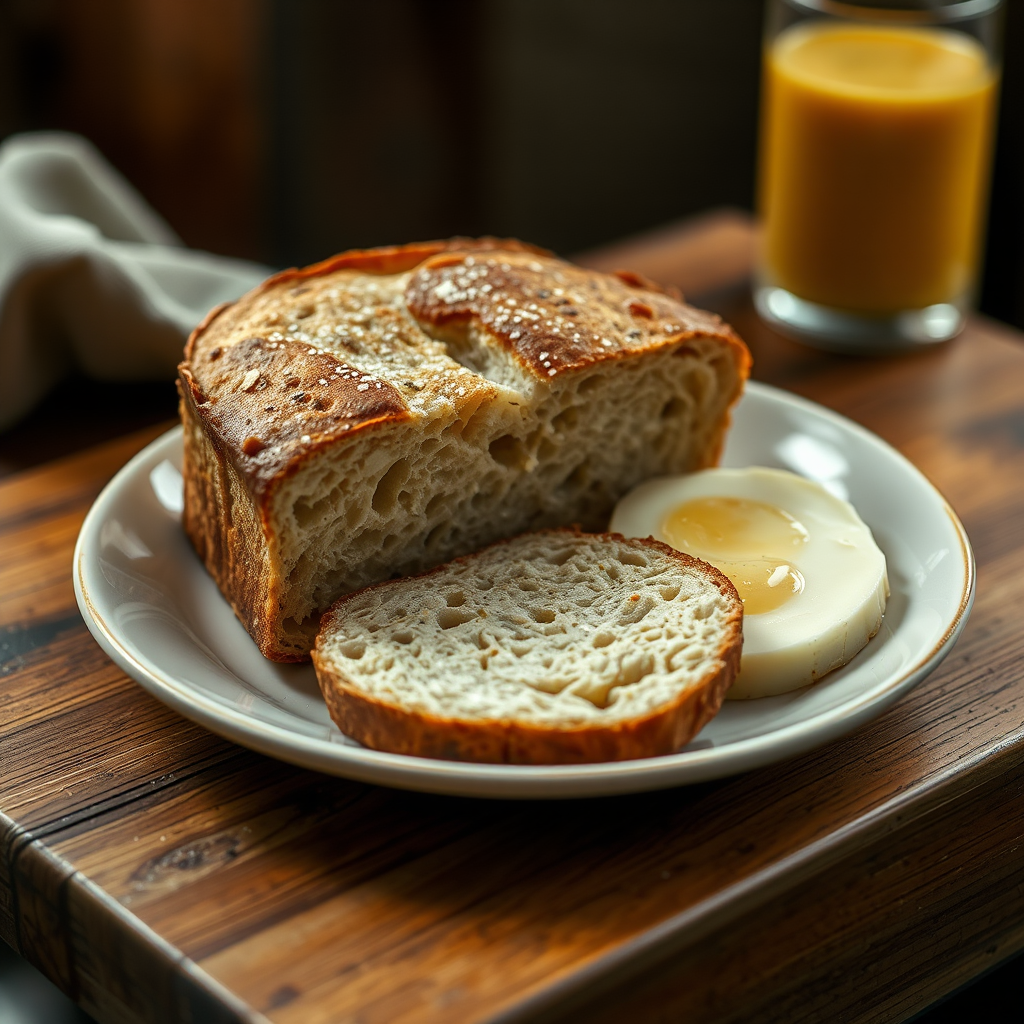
(397, 259)
(552, 316)
(569, 319)
(227, 531)
(397, 730)
(273, 403)
(267, 395)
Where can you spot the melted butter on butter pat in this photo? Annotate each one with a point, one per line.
(812, 580)
(753, 543)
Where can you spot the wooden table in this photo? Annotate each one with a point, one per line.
(158, 873)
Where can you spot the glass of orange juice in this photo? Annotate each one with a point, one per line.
(876, 138)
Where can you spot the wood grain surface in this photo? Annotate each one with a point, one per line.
(158, 873)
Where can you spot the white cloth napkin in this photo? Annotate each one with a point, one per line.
(90, 275)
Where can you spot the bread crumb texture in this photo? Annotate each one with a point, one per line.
(389, 410)
(562, 633)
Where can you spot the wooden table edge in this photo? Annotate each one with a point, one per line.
(607, 971)
(62, 877)
(688, 927)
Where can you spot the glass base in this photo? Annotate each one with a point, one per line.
(836, 330)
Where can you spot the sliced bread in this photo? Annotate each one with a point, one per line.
(552, 647)
(389, 410)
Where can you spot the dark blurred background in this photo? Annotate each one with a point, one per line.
(286, 130)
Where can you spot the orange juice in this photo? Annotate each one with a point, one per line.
(874, 173)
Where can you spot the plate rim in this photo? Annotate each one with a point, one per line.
(521, 781)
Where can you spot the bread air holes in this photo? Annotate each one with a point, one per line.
(566, 419)
(632, 557)
(701, 384)
(389, 490)
(633, 668)
(308, 513)
(509, 451)
(631, 671)
(546, 450)
(352, 649)
(476, 422)
(560, 557)
(674, 408)
(449, 618)
(436, 536)
(434, 505)
(370, 539)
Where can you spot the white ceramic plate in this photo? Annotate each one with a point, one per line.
(152, 607)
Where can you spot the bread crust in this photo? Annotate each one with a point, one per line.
(225, 350)
(260, 400)
(388, 727)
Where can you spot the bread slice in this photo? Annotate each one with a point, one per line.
(554, 647)
(388, 410)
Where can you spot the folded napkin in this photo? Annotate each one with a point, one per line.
(90, 275)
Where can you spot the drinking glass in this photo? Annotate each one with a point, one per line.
(875, 152)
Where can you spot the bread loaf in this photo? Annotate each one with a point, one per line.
(388, 410)
(552, 647)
